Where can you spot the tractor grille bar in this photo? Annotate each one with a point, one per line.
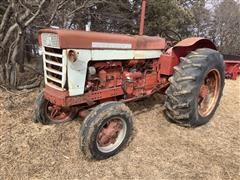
(54, 68)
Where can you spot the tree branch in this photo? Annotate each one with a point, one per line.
(5, 20)
(85, 5)
(58, 7)
(35, 84)
(14, 27)
(35, 14)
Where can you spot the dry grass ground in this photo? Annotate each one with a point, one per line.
(159, 149)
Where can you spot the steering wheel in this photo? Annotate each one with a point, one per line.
(171, 36)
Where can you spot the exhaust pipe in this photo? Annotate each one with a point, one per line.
(141, 30)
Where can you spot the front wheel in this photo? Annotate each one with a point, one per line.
(47, 113)
(196, 88)
(106, 130)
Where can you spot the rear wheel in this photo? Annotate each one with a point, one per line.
(196, 88)
(48, 113)
(106, 130)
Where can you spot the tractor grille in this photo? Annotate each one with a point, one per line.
(54, 68)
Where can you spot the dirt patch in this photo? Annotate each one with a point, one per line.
(159, 149)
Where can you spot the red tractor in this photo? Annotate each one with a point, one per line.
(93, 74)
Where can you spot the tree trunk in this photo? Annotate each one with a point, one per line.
(21, 57)
(2, 68)
(28, 53)
(11, 73)
(2, 74)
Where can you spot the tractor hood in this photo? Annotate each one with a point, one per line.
(73, 39)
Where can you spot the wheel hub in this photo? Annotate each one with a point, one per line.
(204, 91)
(209, 93)
(109, 133)
(57, 113)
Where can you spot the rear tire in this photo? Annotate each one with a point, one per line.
(106, 130)
(196, 88)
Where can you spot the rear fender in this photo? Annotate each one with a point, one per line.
(185, 46)
(181, 49)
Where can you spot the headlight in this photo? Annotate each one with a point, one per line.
(72, 56)
(50, 40)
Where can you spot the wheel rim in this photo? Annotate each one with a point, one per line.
(57, 114)
(111, 135)
(209, 93)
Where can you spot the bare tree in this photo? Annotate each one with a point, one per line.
(227, 25)
(18, 16)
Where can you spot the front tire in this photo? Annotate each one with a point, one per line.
(106, 130)
(196, 88)
(47, 113)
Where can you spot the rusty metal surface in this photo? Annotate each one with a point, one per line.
(167, 63)
(84, 40)
(195, 40)
(63, 99)
(187, 45)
